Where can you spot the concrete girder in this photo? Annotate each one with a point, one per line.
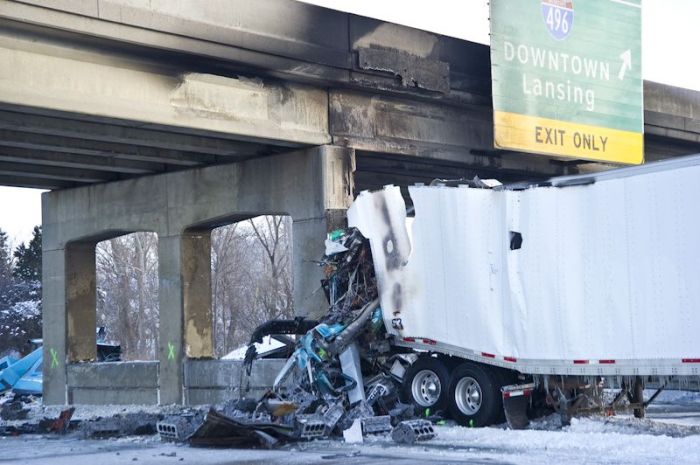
(34, 183)
(28, 170)
(63, 79)
(443, 114)
(30, 141)
(211, 40)
(314, 186)
(108, 130)
(69, 160)
(429, 131)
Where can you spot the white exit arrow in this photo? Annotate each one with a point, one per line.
(626, 58)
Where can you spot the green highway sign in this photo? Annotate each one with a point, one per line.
(567, 78)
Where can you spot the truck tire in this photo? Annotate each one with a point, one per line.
(425, 385)
(474, 397)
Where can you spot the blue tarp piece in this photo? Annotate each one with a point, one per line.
(31, 382)
(7, 361)
(29, 367)
(24, 376)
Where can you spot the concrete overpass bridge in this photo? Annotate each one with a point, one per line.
(177, 118)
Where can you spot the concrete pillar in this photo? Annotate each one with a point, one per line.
(334, 167)
(54, 325)
(196, 288)
(81, 289)
(308, 237)
(170, 298)
(185, 308)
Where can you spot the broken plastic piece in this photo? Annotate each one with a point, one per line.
(353, 434)
(350, 364)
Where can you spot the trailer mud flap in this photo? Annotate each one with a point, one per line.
(516, 399)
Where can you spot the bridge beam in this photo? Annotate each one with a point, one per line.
(57, 78)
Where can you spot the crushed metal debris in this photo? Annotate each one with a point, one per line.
(342, 379)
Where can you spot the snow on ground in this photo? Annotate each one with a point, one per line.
(593, 440)
(589, 440)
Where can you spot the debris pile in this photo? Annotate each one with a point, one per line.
(25, 414)
(342, 380)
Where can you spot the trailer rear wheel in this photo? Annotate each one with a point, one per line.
(474, 398)
(425, 384)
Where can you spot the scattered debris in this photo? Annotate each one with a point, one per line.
(57, 425)
(341, 380)
(179, 427)
(129, 424)
(14, 410)
(408, 432)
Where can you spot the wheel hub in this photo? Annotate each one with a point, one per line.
(468, 395)
(426, 388)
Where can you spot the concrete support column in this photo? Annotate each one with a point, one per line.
(334, 167)
(81, 289)
(308, 236)
(54, 325)
(186, 325)
(170, 299)
(196, 282)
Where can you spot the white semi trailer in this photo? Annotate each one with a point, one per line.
(552, 288)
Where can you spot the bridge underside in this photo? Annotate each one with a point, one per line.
(114, 90)
(158, 116)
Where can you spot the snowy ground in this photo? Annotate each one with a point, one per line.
(670, 434)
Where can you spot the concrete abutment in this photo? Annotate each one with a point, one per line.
(313, 186)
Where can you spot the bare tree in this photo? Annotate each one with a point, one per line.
(252, 280)
(230, 284)
(251, 283)
(275, 284)
(128, 293)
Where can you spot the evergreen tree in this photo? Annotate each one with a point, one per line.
(5, 260)
(20, 294)
(28, 266)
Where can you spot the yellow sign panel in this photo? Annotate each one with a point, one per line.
(553, 137)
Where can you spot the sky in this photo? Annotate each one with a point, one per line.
(670, 35)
